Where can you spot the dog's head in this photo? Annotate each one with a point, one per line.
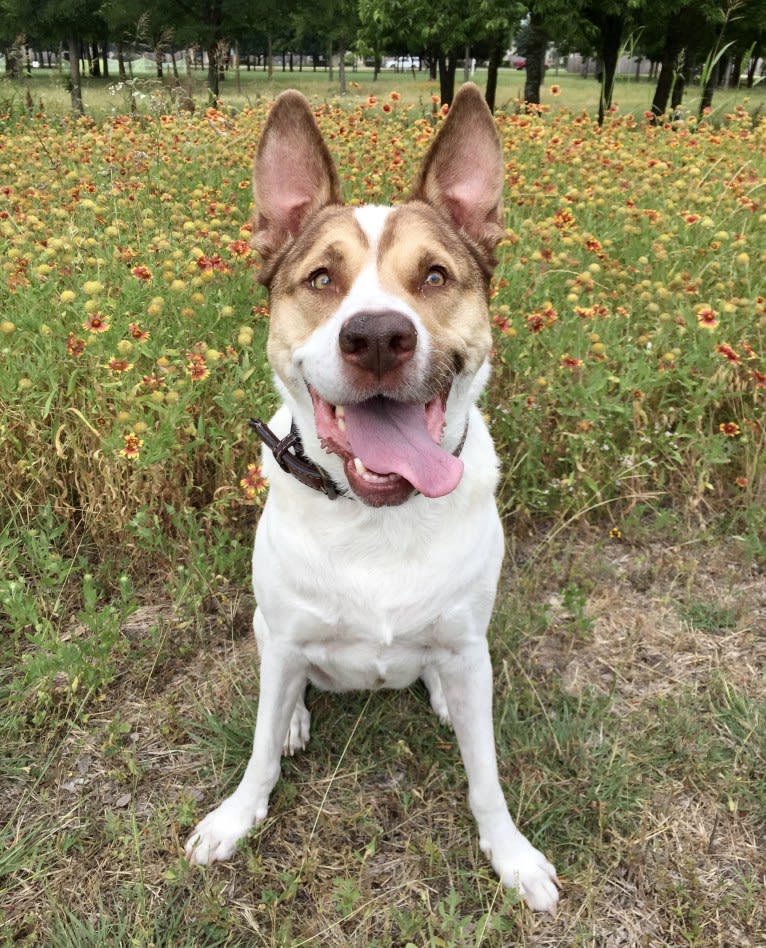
(379, 329)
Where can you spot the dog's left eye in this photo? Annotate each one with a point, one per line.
(320, 280)
(436, 276)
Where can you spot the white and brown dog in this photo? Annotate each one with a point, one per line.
(379, 340)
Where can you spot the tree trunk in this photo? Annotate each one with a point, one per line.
(269, 56)
(213, 74)
(495, 59)
(447, 67)
(683, 75)
(105, 59)
(342, 65)
(75, 87)
(94, 66)
(716, 76)
(537, 44)
(674, 41)
(13, 61)
(706, 101)
(753, 65)
(611, 38)
(736, 69)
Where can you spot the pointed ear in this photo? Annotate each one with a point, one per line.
(294, 175)
(462, 174)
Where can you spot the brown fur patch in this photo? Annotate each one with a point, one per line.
(417, 238)
(333, 241)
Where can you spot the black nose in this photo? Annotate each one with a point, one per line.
(378, 342)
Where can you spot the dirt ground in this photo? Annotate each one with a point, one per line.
(638, 672)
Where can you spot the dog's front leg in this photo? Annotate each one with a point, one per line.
(283, 676)
(467, 683)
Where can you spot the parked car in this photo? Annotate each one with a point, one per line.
(401, 63)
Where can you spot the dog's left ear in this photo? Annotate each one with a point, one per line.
(293, 177)
(462, 174)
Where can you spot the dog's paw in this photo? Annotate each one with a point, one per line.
(215, 838)
(524, 868)
(298, 733)
(436, 696)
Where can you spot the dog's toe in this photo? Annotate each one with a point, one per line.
(215, 838)
(526, 869)
(298, 732)
(436, 694)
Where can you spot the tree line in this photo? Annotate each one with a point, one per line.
(692, 40)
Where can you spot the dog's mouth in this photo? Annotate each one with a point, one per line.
(389, 448)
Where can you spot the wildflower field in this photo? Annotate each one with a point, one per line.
(627, 403)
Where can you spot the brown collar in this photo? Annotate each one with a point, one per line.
(295, 461)
(288, 453)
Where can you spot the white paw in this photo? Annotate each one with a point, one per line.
(298, 733)
(524, 868)
(439, 706)
(215, 838)
(436, 695)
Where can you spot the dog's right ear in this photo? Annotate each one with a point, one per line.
(294, 175)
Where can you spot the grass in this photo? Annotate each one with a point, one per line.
(103, 97)
(626, 402)
(633, 753)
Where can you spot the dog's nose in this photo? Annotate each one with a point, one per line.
(378, 342)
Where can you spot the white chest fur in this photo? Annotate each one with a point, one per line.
(369, 597)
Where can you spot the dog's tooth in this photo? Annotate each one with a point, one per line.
(360, 468)
(341, 422)
(340, 411)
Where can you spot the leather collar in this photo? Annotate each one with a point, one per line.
(289, 455)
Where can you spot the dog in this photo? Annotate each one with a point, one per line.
(379, 548)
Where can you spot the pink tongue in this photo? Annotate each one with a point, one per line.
(391, 437)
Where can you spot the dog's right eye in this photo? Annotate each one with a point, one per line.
(320, 280)
(436, 276)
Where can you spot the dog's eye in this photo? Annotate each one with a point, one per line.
(436, 276)
(320, 280)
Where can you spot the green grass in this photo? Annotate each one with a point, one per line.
(627, 641)
(637, 768)
(145, 92)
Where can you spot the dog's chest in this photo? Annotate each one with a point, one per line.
(368, 608)
(349, 661)
(369, 623)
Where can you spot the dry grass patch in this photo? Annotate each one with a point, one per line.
(630, 696)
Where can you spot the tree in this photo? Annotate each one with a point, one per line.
(545, 19)
(62, 20)
(345, 24)
(495, 19)
(213, 23)
(532, 44)
(415, 25)
(607, 23)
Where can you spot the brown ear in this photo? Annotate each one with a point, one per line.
(462, 174)
(294, 175)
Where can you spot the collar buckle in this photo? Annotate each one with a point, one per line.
(288, 453)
